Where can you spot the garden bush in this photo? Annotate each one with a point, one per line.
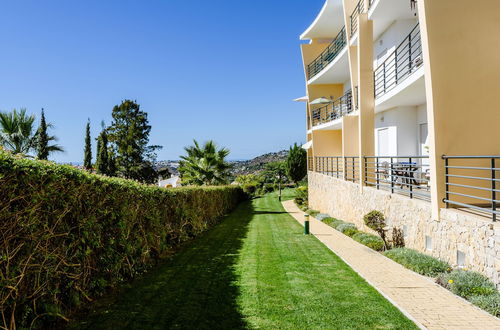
(418, 262)
(67, 235)
(322, 216)
(467, 284)
(348, 229)
(490, 303)
(372, 241)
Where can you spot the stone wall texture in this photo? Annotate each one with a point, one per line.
(455, 233)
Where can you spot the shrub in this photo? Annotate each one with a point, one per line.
(467, 284)
(418, 262)
(69, 235)
(322, 216)
(328, 220)
(348, 229)
(312, 213)
(250, 189)
(372, 241)
(302, 194)
(376, 220)
(490, 303)
(398, 240)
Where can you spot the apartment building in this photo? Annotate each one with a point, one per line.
(402, 116)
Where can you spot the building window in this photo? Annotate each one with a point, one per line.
(460, 259)
(428, 243)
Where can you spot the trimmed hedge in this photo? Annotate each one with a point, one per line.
(67, 235)
(418, 262)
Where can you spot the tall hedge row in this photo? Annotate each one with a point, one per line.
(66, 235)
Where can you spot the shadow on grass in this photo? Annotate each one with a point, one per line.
(195, 289)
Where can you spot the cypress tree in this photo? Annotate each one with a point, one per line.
(296, 163)
(87, 158)
(112, 169)
(102, 156)
(42, 140)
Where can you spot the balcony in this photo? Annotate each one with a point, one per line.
(328, 55)
(354, 17)
(335, 110)
(399, 80)
(472, 184)
(404, 175)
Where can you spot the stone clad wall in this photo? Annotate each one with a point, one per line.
(477, 237)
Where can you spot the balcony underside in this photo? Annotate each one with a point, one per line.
(410, 92)
(385, 12)
(328, 22)
(337, 72)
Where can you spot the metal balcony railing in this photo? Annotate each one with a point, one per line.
(328, 55)
(406, 175)
(354, 16)
(400, 64)
(332, 166)
(310, 164)
(337, 109)
(472, 183)
(351, 168)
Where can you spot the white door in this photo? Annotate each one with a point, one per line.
(424, 142)
(383, 142)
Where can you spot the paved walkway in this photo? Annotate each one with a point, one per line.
(419, 298)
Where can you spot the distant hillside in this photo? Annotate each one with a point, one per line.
(257, 164)
(239, 166)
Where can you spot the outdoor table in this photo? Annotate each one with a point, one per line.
(405, 172)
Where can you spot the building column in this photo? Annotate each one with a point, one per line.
(366, 93)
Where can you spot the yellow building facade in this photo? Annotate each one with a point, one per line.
(402, 116)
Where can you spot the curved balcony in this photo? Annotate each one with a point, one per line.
(335, 110)
(328, 55)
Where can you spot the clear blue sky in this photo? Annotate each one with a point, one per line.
(224, 70)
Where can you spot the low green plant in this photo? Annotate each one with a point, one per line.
(490, 303)
(467, 284)
(328, 220)
(418, 262)
(322, 216)
(372, 241)
(348, 229)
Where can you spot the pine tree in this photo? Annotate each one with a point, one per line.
(87, 158)
(102, 156)
(129, 133)
(296, 163)
(42, 142)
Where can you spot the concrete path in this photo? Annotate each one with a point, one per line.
(419, 298)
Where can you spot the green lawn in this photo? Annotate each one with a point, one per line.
(254, 270)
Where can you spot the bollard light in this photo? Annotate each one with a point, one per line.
(306, 224)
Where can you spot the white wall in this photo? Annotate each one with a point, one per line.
(404, 124)
(347, 85)
(390, 39)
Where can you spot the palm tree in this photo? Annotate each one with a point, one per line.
(16, 131)
(18, 135)
(204, 165)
